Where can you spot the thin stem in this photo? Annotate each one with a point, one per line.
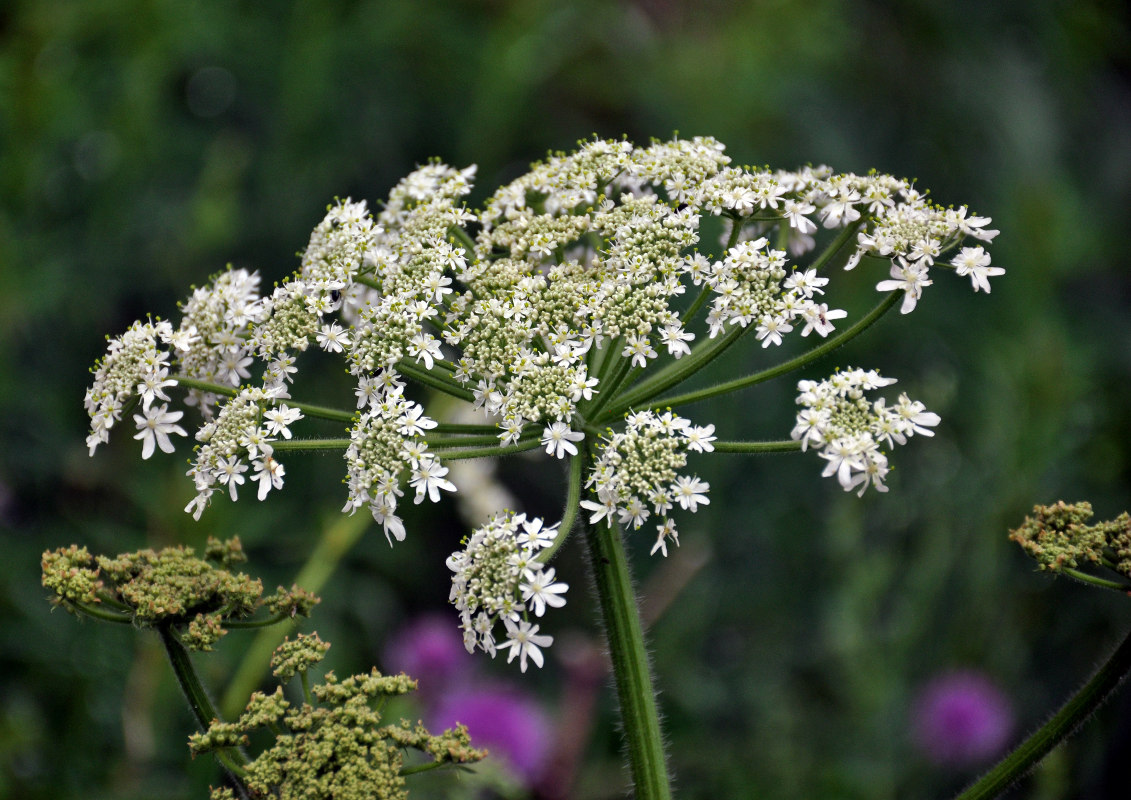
(786, 366)
(836, 244)
(437, 382)
(1093, 580)
(569, 513)
(788, 446)
(484, 452)
(466, 441)
(310, 444)
(308, 409)
(103, 614)
(609, 385)
(306, 695)
(336, 540)
(1062, 725)
(234, 759)
(704, 293)
(676, 372)
(455, 427)
(197, 697)
(631, 672)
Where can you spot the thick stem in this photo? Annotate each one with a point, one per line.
(233, 760)
(631, 672)
(1062, 725)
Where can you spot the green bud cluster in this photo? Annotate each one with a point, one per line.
(171, 588)
(1059, 537)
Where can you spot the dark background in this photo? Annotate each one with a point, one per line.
(144, 145)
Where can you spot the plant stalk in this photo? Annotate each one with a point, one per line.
(1062, 725)
(631, 671)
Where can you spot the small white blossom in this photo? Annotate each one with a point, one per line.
(154, 429)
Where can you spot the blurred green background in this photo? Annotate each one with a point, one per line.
(143, 145)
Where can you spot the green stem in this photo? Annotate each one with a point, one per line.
(1093, 580)
(704, 293)
(467, 441)
(1062, 725)
(577, 466)
(104, 614)
(308, 409)
(455, 427)
(336, 540)
(788, 446)
(437, 382)
(786, 366)
(675, 372)
(837, 243)
(485, 452)
(310, 444)
(609, 387)
(197, 697)
(631, 672)
(234, 759)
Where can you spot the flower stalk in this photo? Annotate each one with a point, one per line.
(631, 671)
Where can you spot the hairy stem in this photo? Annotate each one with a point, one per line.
(631, 671)
(577, 466)
(1062, 725)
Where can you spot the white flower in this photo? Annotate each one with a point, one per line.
(413, 422)
(425, 347)
(602, 510)
(428, 479)
(975, 262)
(269, 473)
(676, 338)
(279, 417)
(230, 472)
(333, 338)
(689, 492)
(154, 429)
(534, 535)
(667, 531)
(524, 641)
(699, 438)
(911, 277)
(153, 385)
(541, 589)
(559, 439)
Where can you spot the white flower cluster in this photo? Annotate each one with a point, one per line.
(134, 366)
(637, 473)
(497, 578)
(242, 432)
(849, 429)
(385, 442)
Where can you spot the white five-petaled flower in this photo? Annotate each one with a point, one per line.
(428, 479)
(559, 440)
(689, 492)
(667, 531)
(975, 262)
(154, 429)
(269, 473)
(541, 589)
(279, 418)
(524, 641)
(911, 277)
(699, 438)
(229, 471)
(153, 385)
(425, 347)
(333, 338)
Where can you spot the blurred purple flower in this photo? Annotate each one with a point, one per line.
(511, 725)
(961, 718)
(430, 649)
